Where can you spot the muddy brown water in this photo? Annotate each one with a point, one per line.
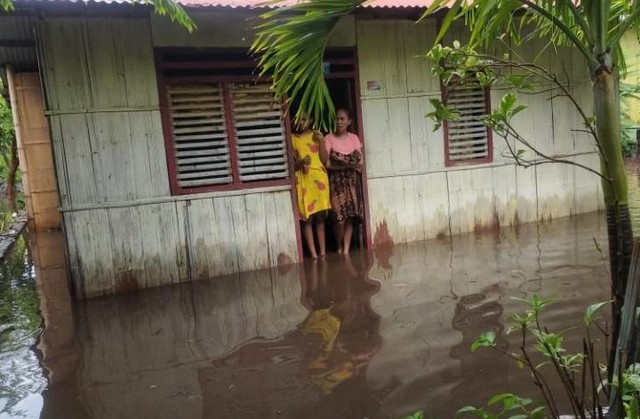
(378, 335)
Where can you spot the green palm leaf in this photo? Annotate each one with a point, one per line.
(291, 42)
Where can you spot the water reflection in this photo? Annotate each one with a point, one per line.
(375, 336)
(347, 338)
(21, 378)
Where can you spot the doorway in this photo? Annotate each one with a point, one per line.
(341, 77)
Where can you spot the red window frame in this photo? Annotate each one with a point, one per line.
(225, 81)
(447, 158)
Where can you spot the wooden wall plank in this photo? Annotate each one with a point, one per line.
(418, 38)
(108, 89)
(556, 184)
(241, 240)
(82, 176)
(150, 177)
(381, 57)
(527, 189)
(63, 53)
(282, 241)
(588, 189)
(427, 144)
(137, 62)
(399, 136)
(257, 219)
(93, 240)
(203, 233)
(77, 280)
(128, 254)
(376, 130)
(226, 245)
(111, 144)
(505, 193)
(471, 200)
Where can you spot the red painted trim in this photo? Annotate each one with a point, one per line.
(209, 64)
(232, 187)
(231, 135)
(487, 103)
(170, 152)
(293, 180)
(447, 158)
(216, 79)
(203, 52)
(365, 183)
(341, 61)
(341, 75)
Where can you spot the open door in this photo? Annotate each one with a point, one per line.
(342, 80)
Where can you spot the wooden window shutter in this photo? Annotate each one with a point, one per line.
(200, 139)
(259, 132)
(468, 140)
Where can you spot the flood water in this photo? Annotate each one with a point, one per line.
(378, 335)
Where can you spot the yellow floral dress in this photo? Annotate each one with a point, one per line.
(312, 186)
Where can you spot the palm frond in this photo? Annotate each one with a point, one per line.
(563, 22)
(6, 5)
(291, 42)
(169, 8)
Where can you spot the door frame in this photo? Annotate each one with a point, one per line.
(347, 60)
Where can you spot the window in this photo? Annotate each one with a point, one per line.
(223, 128)
(467, 139)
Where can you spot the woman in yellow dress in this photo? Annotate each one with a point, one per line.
(312, 184)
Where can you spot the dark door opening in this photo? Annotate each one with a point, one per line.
(341, 74)
(343, 93)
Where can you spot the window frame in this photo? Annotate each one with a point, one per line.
(225, 82)
(447, 158)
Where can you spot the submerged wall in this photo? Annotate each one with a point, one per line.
(124, 229)
(412, 194)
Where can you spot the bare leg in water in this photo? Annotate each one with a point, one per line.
(339, 230)
(321, 237)
(348, 232)
(307, 231)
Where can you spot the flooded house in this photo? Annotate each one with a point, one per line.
(163, 157)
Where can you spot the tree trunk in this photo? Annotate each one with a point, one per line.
(11, 175)
(620, 235)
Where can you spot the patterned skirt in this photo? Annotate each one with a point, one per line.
(345, 188)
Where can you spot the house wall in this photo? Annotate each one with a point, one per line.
(124, 230)
(412, 195)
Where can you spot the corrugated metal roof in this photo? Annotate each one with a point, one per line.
(17, 45)
(262, 3)
(246, 4)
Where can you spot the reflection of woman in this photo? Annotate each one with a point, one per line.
(344, 162)
(342, 317)
(312, 184)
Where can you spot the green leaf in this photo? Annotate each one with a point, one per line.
(7, 5)
(537, 413)
(486, 340)
(468, 409)
(415, 415)
(592, 310)
(500, 397)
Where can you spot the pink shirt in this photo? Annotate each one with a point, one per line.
(343, 146)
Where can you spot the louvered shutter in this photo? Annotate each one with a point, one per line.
(468, 137)
(260, 133)
(200, 139)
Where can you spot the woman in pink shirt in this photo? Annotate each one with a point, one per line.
(344, 162)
